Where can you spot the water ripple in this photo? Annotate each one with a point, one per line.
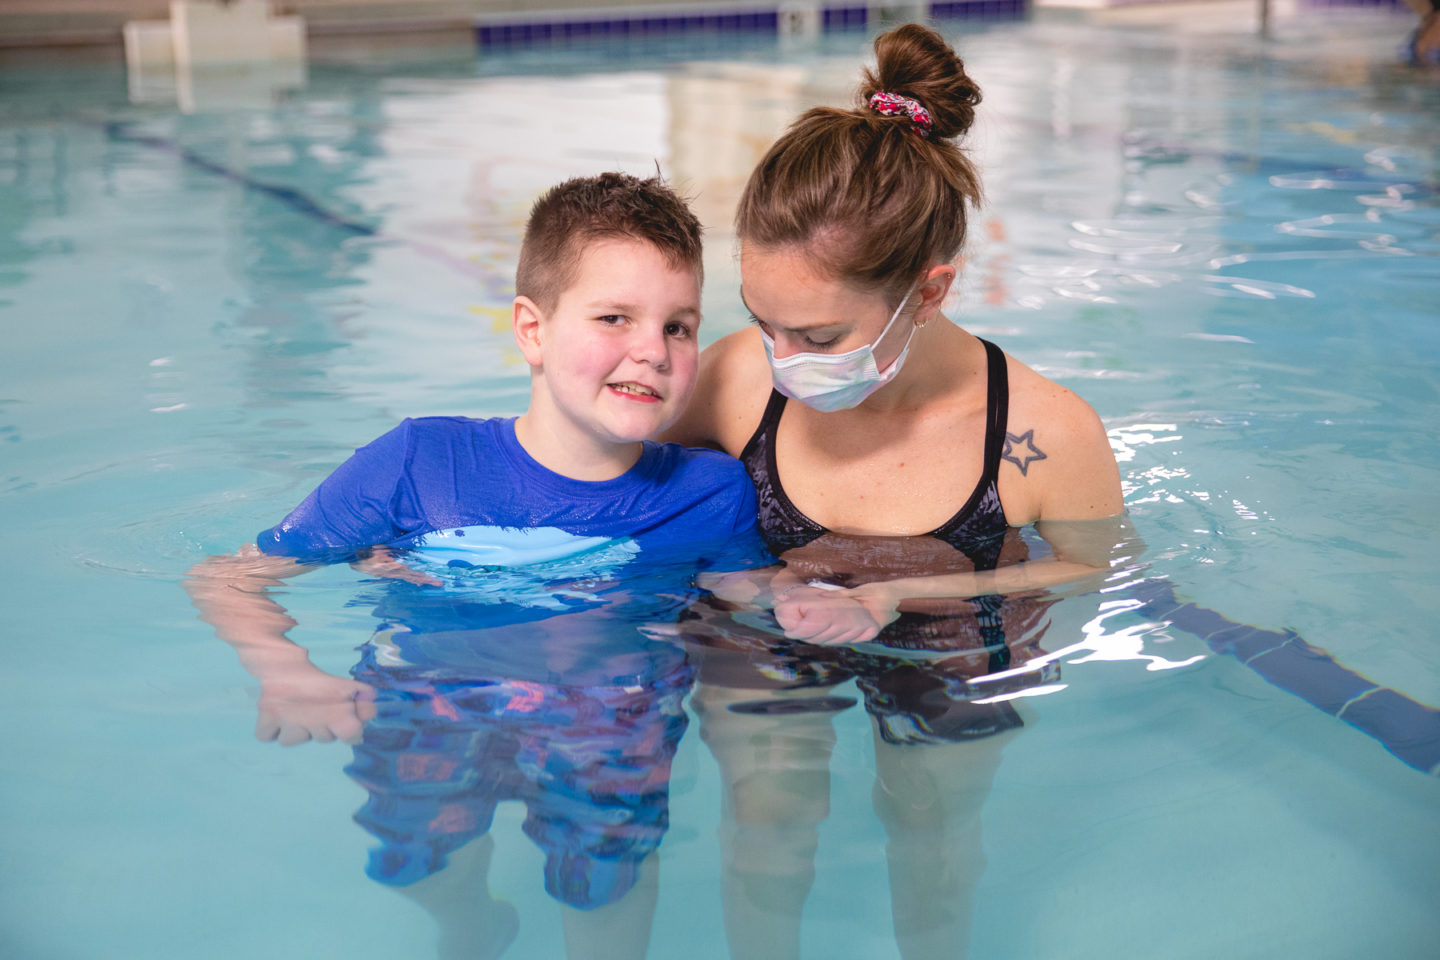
(1365, 252)
(1223, 286)
(1322, 227)
(1347, 181)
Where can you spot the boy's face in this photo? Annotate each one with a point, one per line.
(615, 360)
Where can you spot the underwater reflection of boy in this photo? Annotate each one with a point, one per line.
(606, 314)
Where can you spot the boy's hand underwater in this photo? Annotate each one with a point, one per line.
(299, 702)
(825, 615)
(300, 706)
(822, 614)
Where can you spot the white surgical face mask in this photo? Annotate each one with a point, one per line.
(829, 382)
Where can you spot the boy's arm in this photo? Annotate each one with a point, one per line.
(367, 502)
(298, 700)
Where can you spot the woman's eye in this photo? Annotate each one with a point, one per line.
(804, 338)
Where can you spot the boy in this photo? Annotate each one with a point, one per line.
(606, 313)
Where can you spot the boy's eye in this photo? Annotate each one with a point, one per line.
(611, 319)
(676, 329)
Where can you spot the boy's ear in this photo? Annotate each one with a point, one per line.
(525, 320)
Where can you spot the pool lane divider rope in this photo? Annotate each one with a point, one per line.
(1408, 729)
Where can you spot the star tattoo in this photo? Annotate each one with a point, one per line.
(1021, 450)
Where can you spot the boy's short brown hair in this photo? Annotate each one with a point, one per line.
(583, 210)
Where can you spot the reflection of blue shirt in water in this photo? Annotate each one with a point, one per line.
(528, 683)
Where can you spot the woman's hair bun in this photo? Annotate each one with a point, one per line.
(916, 62)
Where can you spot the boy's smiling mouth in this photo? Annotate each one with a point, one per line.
(635, 391)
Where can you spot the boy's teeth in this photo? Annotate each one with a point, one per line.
(634, 388)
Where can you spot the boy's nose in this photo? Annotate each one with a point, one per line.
(649, 346)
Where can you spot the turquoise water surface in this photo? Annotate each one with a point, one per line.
(1231, 249)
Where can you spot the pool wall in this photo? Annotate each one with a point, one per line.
(99, 22)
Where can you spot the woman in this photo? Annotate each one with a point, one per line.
(896, 458)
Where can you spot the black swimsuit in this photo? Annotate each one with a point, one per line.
(913, 698)
(974, 530)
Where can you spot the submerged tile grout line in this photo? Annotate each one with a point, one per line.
(1354, 700)
(1410, 730)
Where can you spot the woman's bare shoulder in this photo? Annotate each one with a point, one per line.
(1034, 397)
(731, 391)
(1057, 462)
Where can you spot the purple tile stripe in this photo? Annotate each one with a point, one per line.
(519, 32)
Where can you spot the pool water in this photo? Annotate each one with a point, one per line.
(1230, 248)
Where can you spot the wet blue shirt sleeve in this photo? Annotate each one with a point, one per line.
(368, 500)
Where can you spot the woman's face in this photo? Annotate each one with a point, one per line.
(806, 312)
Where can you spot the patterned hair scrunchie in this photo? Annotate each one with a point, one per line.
(892, 104)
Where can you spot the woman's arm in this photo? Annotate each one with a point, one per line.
(1087, 485)
(1087, 553)
(1057, 464)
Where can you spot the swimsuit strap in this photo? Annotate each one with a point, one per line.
(768, 422)
(982, 516)
(997, 409)
(783, 526)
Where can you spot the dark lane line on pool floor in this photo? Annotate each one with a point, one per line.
(296, 200)
(289, 196)
(1408, 729)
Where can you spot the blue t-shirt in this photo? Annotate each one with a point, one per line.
(541, 577)
(457, 491)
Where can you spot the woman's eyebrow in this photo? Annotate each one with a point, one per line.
(813, 326)
(746, 305)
